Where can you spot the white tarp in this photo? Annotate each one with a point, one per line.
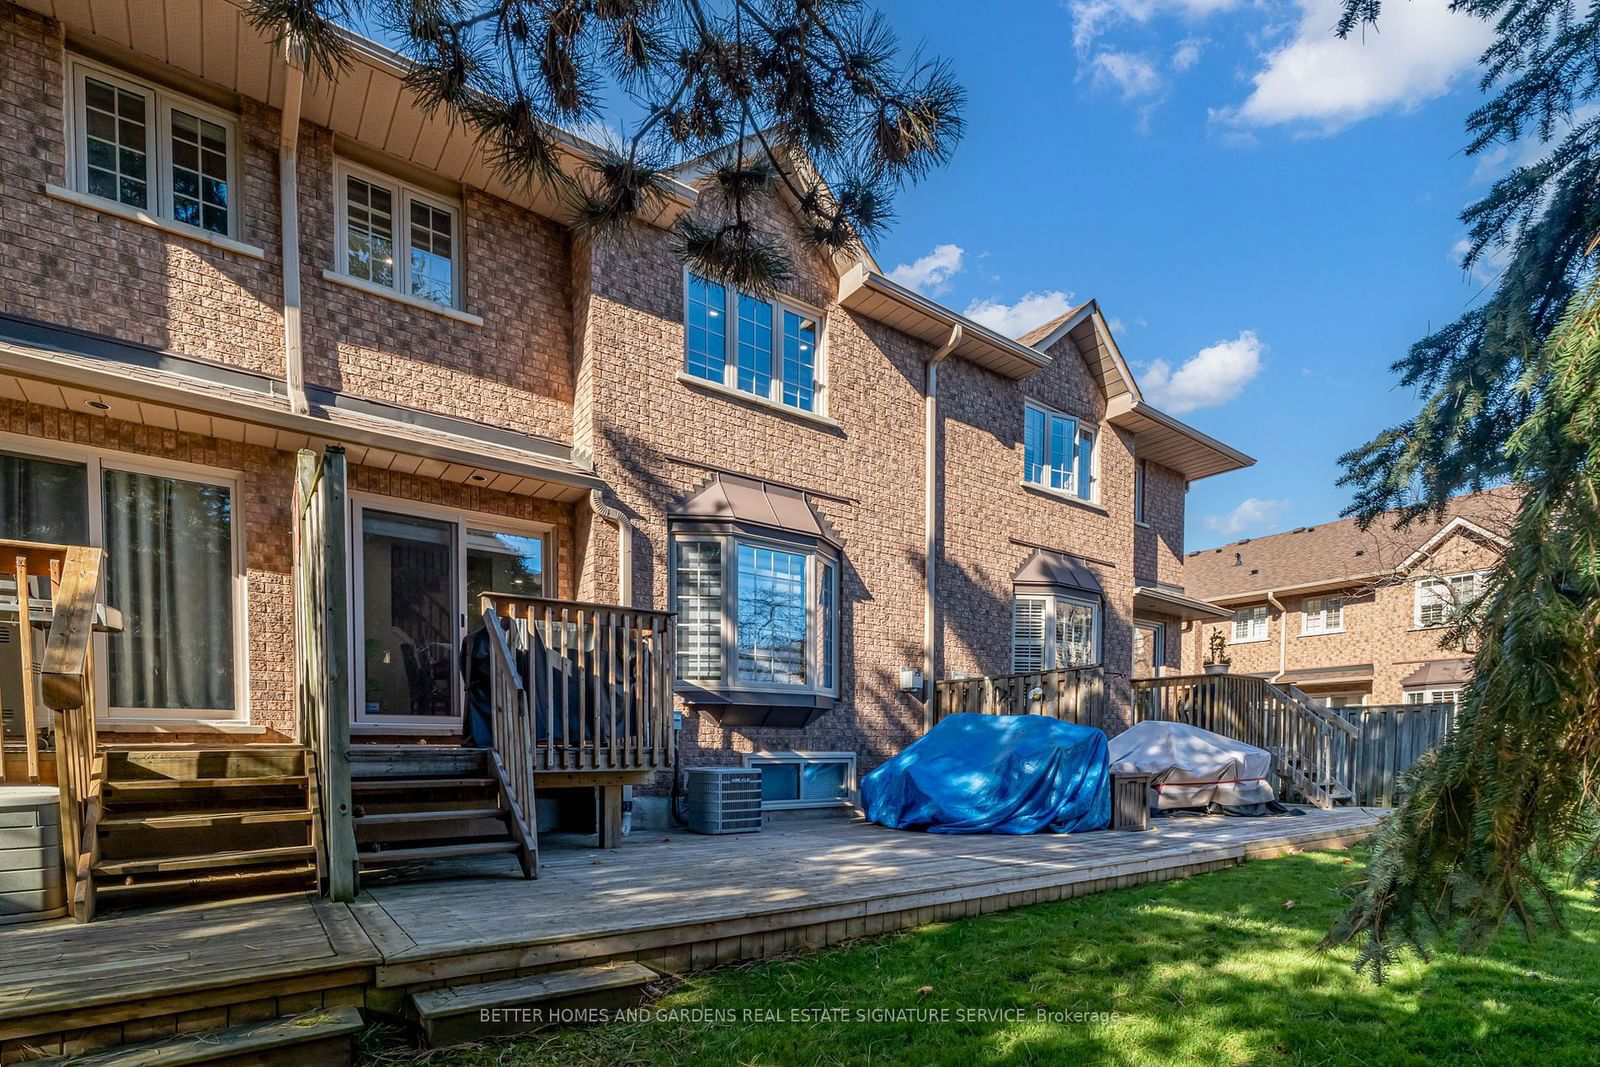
(1193, 767)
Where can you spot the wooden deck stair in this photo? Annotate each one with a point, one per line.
(321, 1038)
(456, 1014)
(417, 803)
(200, 821)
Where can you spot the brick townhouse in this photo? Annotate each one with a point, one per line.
(211, 262)
(1352, 616)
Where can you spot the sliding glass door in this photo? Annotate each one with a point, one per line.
(418, 575)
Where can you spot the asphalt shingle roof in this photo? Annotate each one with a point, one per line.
(1330, 552)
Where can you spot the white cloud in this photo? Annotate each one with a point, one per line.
(1420, 50)
(1489, 265)
(930, 273)
(1091, 18)
(1014, 320)
(1213, 376)
(1251, 516)
(1188, 53)
(1133, 75)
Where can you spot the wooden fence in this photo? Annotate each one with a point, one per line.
(1392, 738)
(1075, 695)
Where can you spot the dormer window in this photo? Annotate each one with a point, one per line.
(140, 146)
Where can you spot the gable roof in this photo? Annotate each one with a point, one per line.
(1335, 553)
(1091, 335)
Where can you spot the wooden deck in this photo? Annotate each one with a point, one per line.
(672, 900)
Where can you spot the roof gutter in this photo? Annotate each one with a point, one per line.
(930, 515)
(294, 364)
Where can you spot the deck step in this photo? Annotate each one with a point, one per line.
(320, 1038)
(454, 1014)
(250, 857)
(141, 785)
(390, 785)
(437, 852)
(429, 815)
(219, 883)
(202, 820)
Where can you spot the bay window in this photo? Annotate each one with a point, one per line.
(1058, 453)
(754, 614)
(1054, 632)
(770, 350)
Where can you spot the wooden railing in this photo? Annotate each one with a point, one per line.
(515, 737)
(70, 576)
(1390, 738)
(1300, 736)
(1076, 695)
(595, 680)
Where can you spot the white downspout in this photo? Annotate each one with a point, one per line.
(294, 364)
(930, 515)
(615, 516)
(1283, 637)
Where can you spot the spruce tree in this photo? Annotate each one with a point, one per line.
(1493, 822)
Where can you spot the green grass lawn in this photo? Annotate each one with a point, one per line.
(1213, 969)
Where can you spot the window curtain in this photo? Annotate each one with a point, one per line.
(42, 500)
(169, 569)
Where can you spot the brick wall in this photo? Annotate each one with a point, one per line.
(94, 271)
(1158, 544)
(654, 440)
(1379, 628)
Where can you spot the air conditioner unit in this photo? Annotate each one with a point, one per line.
(724, 800)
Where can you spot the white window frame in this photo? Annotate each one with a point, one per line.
(1314, 620)
(778, 759)
(1049, 656)
(1141, 475)
(816, 559)
(403, 194)
(1431, 580)
(1431, 694)
(97, 461)
(730, 347)
(1072, 491)
(160, 104)
(464, 520)
(1249, 616)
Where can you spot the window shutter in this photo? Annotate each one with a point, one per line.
(1027, 634)
(698, 595)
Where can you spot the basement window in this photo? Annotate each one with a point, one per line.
(794, 780)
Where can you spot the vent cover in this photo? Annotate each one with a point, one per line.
(724, 800)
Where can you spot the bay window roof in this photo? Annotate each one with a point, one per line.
(1048, 571)
(735, 501)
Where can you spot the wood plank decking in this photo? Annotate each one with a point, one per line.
(672, 900)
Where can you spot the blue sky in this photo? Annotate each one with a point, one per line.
(1266, 214)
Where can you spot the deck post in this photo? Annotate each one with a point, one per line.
(610, 816)
(322, 562)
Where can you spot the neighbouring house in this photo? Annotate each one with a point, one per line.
(1353, 616)
(213, 262)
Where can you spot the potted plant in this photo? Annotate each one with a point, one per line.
(1218, 660)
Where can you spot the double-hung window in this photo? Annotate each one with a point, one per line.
(1054, 632)
(1058, 453)
(755, 614)
(1451, 695)
(767, 348)
(1250, 624)
(139, 146)
(1322, 615)
(398, 237)
(1438, 599)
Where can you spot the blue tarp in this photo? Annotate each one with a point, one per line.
(995, 774)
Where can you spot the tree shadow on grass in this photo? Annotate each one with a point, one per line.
(1221, 968)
